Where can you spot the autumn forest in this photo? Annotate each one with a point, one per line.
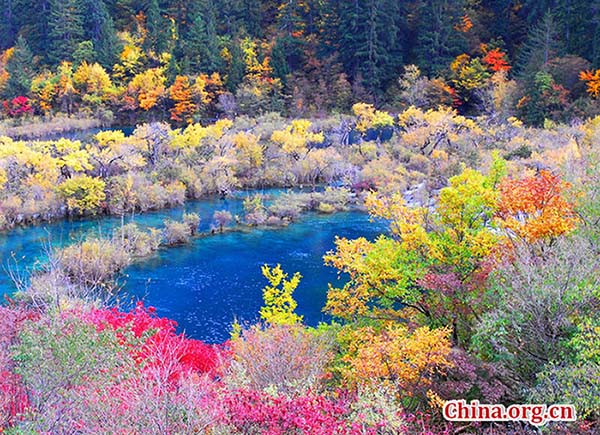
(303, 217)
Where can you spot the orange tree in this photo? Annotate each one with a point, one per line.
(184, 106)
(535, 207)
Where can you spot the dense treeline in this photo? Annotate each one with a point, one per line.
(196, 59)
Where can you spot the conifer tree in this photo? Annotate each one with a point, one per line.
(20, 69)
(32, 17)
(370, 40)
(543, 44)
(157, 29)
(65, 29)
(8, 25)
(438, 40)
(100, 30)
(201, 46)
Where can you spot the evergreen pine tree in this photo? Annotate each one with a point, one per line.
(244, 16)
(8, 25)
(543, 43)
(438, 41)
(279, 62)
(370, 37)
(236, 68)
(201, 46)
(65, 29)
(100, 30)
(31, 17)
(157, 29)
(20, 69)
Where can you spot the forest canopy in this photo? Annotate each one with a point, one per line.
(192, 60)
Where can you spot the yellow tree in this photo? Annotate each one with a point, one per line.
(114, 153)
(83, 194)
(296, 138)
(434, 268)
(369, 118)
(278, 297)
(4, 58)
(93, 83)
(65, 90)
(396, 357)
(131, 59)
(44, 88)
(146, 90)
(207, 88)
(250, 151)
(428, 130)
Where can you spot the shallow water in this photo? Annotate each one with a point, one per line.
(207, 284)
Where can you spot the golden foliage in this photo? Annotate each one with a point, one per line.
(592, 78)
(368, 117)
(397, 357)
(278, 297)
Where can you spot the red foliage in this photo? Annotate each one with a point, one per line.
(13, 398)
(161, 346)
(471, 379)
(18, 106)
(456, 101)
(257, 412)
(447, 283)
(496, 60)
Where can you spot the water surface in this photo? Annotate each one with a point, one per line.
(207, 284)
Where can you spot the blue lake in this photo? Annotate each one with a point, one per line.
(207, 284)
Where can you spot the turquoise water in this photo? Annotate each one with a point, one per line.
(207, 284)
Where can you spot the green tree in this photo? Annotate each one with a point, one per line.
(369, 35)
(8, 25)
(438, 40)
(100, 30)
(66, 29)
(543, 44)
(242, 16)
(201, 46)
(31, 18)
(20, 69)
(157, 29)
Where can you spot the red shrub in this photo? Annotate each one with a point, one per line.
(161, 347)
(13, 398)
(18, 106)
(253, 412)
